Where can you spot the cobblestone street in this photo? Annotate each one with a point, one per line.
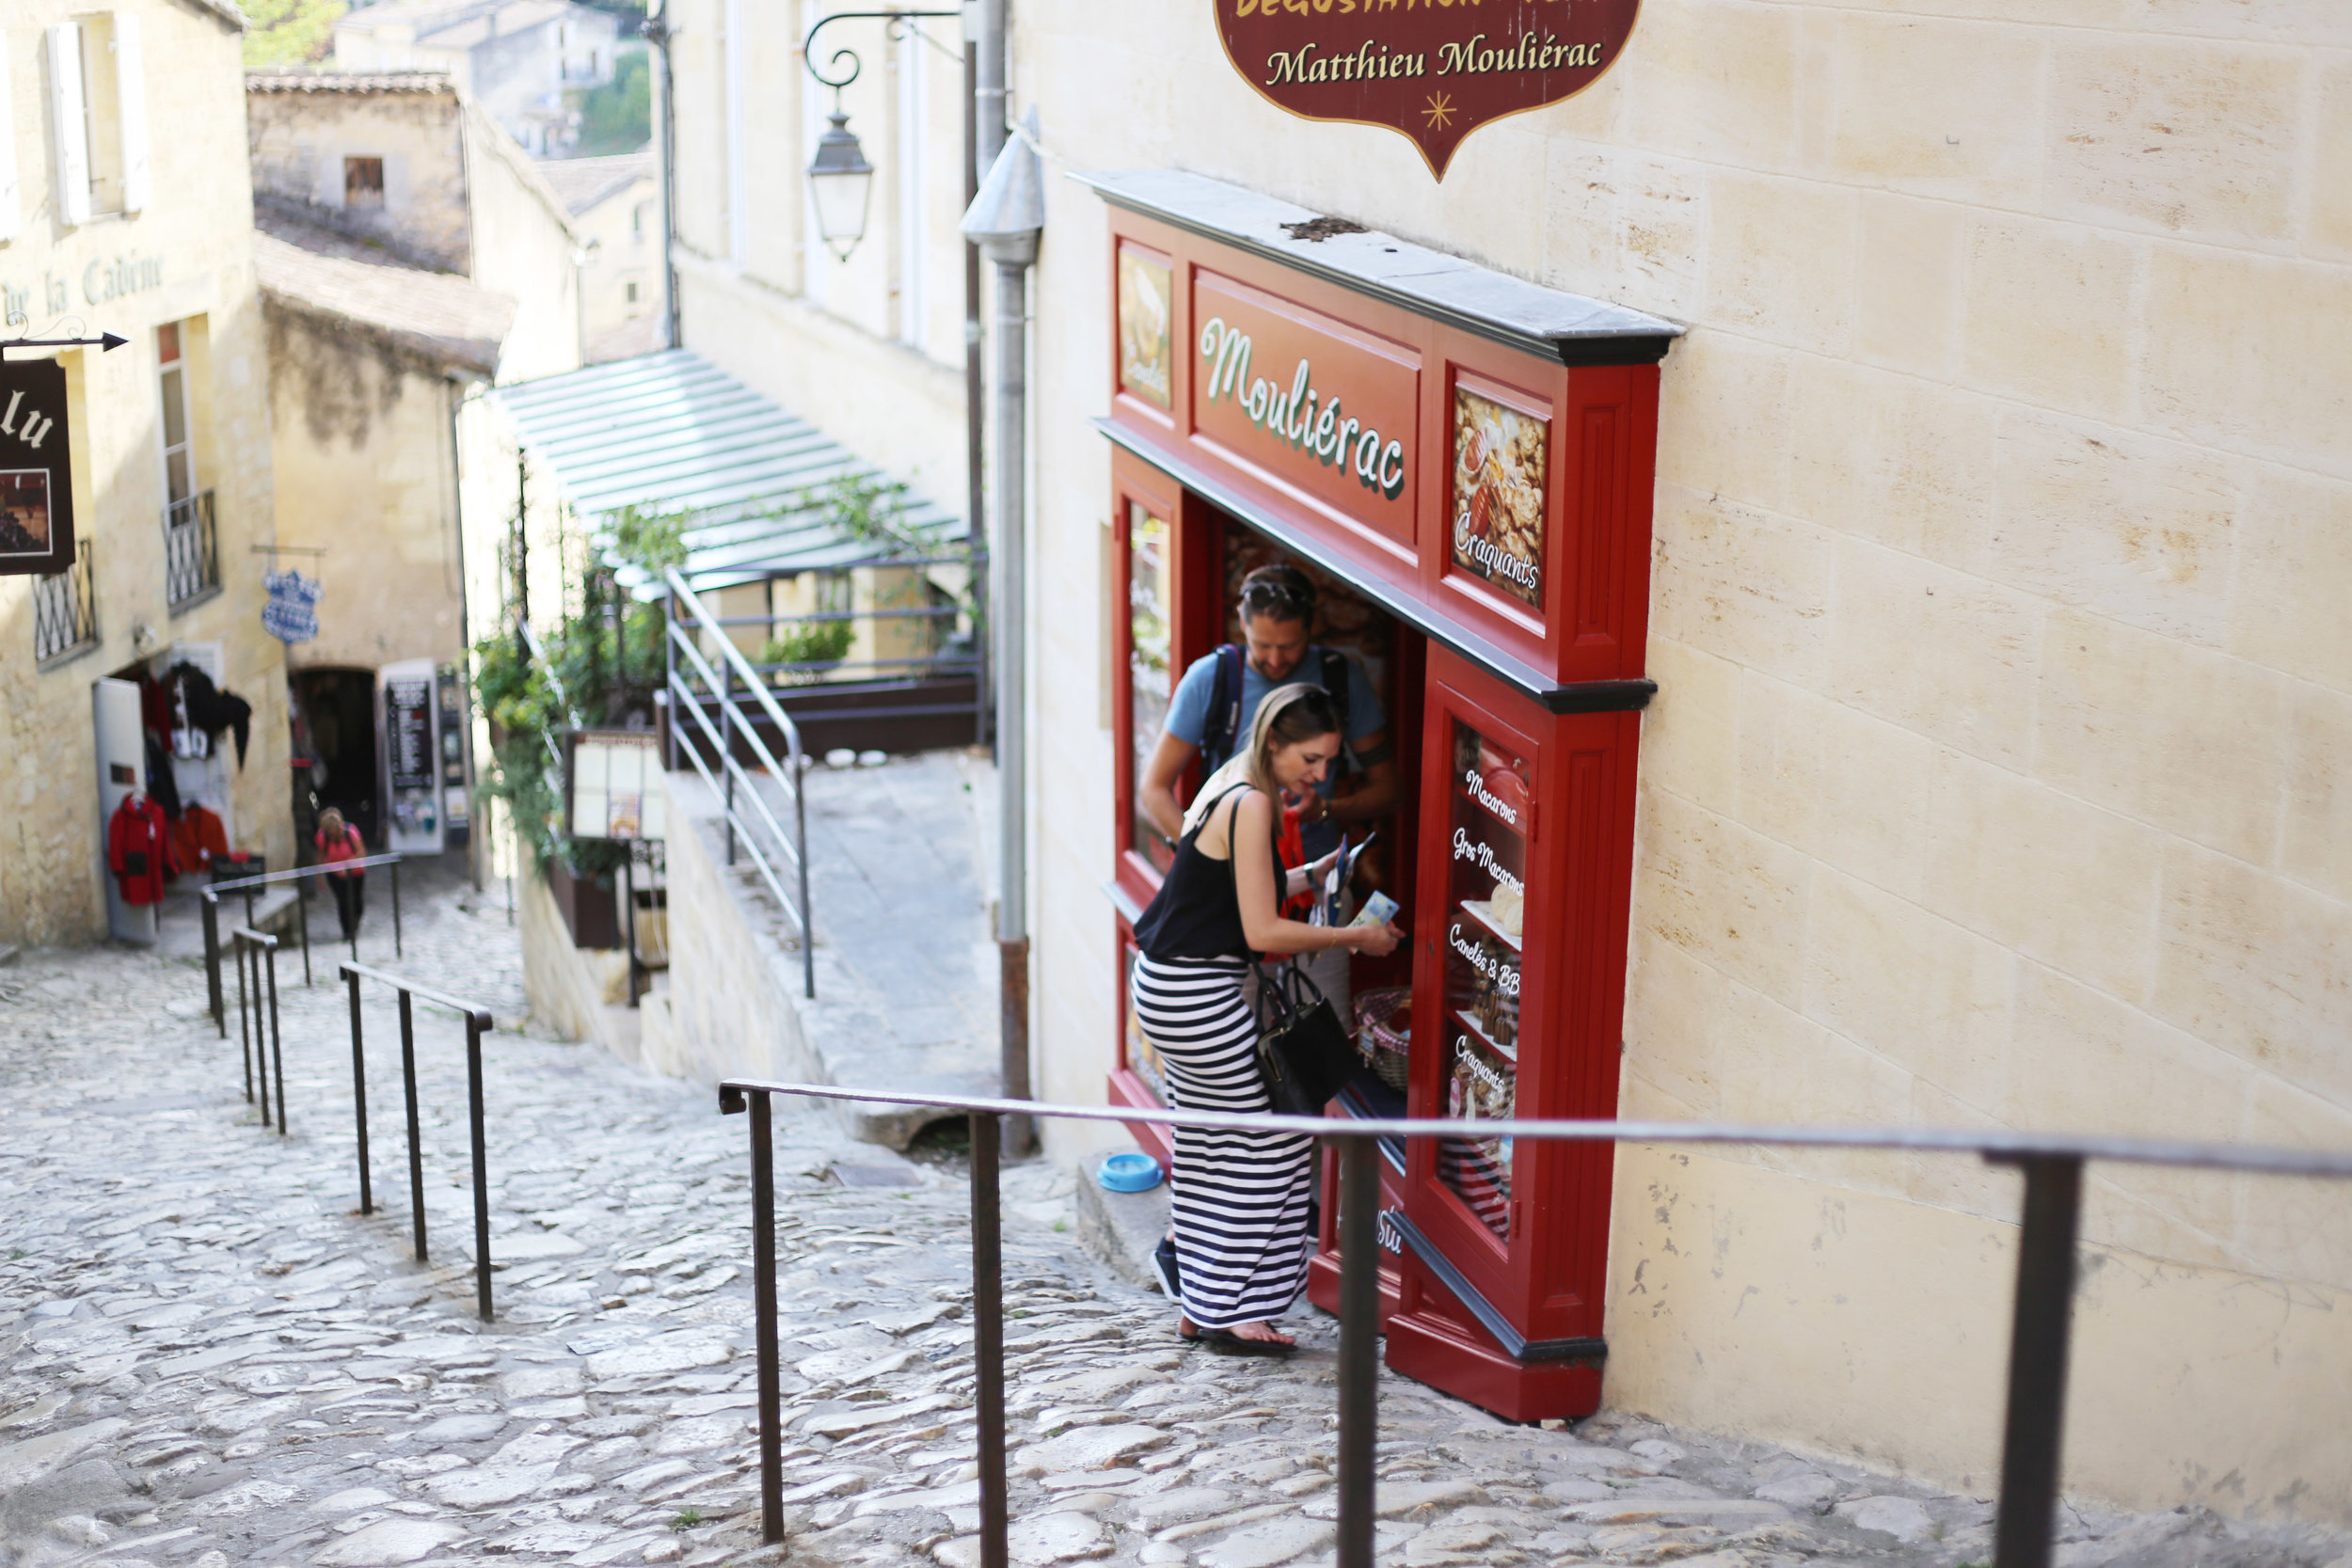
(208, 1358)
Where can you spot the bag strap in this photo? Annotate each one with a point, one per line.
(1223, 725)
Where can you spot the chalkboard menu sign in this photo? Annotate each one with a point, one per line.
(410, 707)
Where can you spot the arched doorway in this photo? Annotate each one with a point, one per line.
(334, 731)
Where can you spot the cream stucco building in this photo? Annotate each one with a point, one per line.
(124, 209)
(1999, 772)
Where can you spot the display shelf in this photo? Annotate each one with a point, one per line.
(1482, 910)
(1509, 1053)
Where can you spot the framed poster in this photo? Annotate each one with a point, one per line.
(1146, 305)
(1496, 502)
(36, 474)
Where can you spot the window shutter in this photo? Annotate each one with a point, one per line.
(71, 130)
(11, 213)
(131, 88)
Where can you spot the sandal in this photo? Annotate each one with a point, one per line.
(1224, 1341)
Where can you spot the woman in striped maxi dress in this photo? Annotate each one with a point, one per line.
(1241, 1198)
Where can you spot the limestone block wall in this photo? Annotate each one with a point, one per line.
(185, 259)
(2001, 770)
(733, 991)
(570, 987)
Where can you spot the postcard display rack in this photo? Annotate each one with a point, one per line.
(1486, 477)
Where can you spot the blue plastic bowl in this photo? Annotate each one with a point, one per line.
(1129, 1173)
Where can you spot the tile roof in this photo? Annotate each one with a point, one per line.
(585, 182)
(350, 81)
(670, 432)
(446, 318)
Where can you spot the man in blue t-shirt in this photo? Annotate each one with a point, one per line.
(1278, 606)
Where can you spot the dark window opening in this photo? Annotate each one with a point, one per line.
(363, 181)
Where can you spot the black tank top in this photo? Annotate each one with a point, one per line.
(1197, 914)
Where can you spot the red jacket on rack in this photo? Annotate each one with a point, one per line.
(137, 846)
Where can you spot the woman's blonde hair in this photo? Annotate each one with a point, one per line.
(331, 823)
(1289, 715)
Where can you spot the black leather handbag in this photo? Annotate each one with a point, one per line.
(1304, 1052)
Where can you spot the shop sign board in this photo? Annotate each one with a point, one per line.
(410, 710)
(612, 784)
(1319, 407)
(36, 473)
(1435, 71)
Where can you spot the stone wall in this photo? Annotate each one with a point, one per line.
(2001, 770)
(299, 140)
(572, 990)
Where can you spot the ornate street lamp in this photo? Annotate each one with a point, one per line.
(842, 184)
(840, 181)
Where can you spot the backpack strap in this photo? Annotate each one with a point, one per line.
(1335, 682)
(1223, 725)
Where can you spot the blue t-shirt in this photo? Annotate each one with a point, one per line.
(1189, 718)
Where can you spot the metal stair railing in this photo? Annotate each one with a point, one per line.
(787, 862)
(478, 1023)
(208, 904)
(2052, 1164)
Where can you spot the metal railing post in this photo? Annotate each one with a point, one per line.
(244, 1041)
(360, 1091)
(276, 1037)
(2037, 1360)
(396, 948)
(669, 678)
(1359, 1361)
(800, 829)
(726, 744)
(208, 904)
(475, 1026)
(416, 1140)
(764, 1303)
(302, 918)
(988, 1337)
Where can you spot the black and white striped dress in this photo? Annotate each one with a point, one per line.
(1241, 1200)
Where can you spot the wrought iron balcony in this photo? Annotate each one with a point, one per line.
(65, 610)
(191, 551)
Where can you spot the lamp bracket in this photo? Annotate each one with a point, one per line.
(899, 24)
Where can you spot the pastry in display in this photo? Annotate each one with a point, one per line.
(1509, 907)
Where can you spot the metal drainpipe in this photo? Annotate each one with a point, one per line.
(1005, 219)
(1012, 728)
(657, 31)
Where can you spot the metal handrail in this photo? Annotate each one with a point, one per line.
(2051, 1164)
(478, 1023)
(254, 1049)
(733, 721)
(208, 907)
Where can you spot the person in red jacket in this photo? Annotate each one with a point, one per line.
(338, 842)
(137, 847)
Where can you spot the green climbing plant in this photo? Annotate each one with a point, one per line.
(603, 666)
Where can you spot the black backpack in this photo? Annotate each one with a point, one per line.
(1224, 721)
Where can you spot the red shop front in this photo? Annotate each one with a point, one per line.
(1463, 462)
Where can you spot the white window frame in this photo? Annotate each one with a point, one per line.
(11, 205)
(70, 122)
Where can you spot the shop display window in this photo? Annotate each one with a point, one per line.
(1151, 661)
(1485, 913)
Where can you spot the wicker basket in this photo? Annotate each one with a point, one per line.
(1384, 1033)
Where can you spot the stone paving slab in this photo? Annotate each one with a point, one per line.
(208, 1359)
